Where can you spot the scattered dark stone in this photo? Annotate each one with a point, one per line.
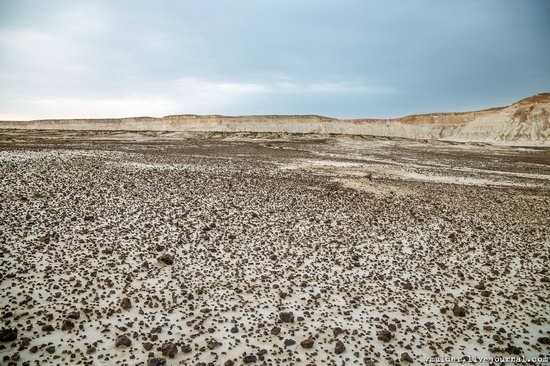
(67, 325)
(8, 335)
(186, 348)
(123, 341)
(25, 342)
(166, 259)
(156, 362)
(126, 303)
(250, 359)
(405, 357)
(147, 346)
(544, 340)
(459, 311)
(385, 335)
(169, 350)
(229, 363)
(480, 286)
(307, 343)
(73, 315)
(48, 328)
(50, 349)
(286, 316)
(337, 331)
(90, 350)
(213, 344)
(275, 330)
(339, 348)
(289, 342)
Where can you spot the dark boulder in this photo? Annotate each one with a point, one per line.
(459, 311)
(156, 362)
(126, 303)
(250, 359)
(286, 316)
(8, 335)
(67, 325)
(385, 335)
(339, 348)
(169, 350)
(307, 343)
(123, 341)
(166, 259)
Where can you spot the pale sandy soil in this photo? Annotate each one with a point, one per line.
(353, 234)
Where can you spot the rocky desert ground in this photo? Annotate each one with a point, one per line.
(131, 248)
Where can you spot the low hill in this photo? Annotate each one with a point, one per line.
(524, 122)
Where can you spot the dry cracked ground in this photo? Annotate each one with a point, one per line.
(153, 249)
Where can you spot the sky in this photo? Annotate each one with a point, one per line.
(339, 58)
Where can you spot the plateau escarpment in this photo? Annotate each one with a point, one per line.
(524, 122)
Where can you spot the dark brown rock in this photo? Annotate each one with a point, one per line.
(339, 348)
(385, 335)
(123, 341)
(126, 303)
(307, 343)
(169, 350)
(459, 311)
(156, 362)
(250, 359)
(166, 259)
(286, 316)
(8, 335)
(67, 325)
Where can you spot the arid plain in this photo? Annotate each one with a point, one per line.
(248, 248)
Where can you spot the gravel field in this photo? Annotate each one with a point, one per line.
(263, 249)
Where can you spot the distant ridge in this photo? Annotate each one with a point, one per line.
(524, 122)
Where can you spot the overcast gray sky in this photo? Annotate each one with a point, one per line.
(342, 58)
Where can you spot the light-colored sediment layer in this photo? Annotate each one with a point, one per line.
(526, 122)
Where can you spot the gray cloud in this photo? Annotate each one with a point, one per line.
(348, 59)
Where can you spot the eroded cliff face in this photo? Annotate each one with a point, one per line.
(527, 121)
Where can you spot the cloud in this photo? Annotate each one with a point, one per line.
(184, 95)
(64, 58)
(330, 87)
(90, 108)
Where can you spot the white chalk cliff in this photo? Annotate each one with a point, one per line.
(524, 122)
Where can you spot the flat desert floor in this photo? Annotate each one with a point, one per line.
(212, 249)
